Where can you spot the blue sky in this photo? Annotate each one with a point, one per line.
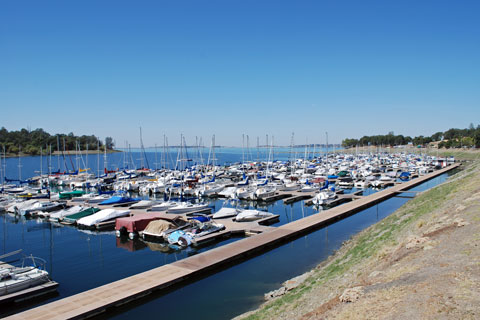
(228, 68)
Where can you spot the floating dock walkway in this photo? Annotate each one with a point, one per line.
(100, 299)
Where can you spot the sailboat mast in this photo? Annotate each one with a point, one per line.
(273, 149)
(141, 147)
(105, 156)
(50, 166)
(2, 167)
(213, 151)
(326, 134)
(58, 152)
(156, 158)
(19, 165)
(258, 150)
(267, 150)
(164, 155)
(98, 158)
(77, 152)
(41, 162)
(243, 149)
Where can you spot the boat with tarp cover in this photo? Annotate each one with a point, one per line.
(133, 225)
(72, 219)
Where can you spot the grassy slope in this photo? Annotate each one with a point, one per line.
(370, 245)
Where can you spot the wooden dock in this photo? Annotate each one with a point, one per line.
(100, 299)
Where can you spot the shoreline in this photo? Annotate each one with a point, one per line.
(55, 153)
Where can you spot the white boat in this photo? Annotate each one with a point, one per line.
(199, 230)
(187, 207)
(362, 184)
(19, 205)
(323, 196)
(225, 213)
(96, 198)
(164, 206)
(244, 193)
(345, 184)
(210, 190)
(228, 192)
(290, 186)
(20, 281)
(40, 206)
(14, 279)
(101, 216)
(308, 188)
(264, 192)
(58, 215)
(252, 215)
(143, 204)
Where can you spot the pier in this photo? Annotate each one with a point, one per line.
(100, 299)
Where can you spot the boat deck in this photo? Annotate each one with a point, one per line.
(117, 293)
(29, 293)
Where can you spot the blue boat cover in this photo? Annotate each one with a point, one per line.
(201, 218)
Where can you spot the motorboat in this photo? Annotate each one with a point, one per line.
(40, 206)
(187, 207)
(164, 206)
(101, 216)
(72, 219)
(58, 215)
(14, 279)
(119, 200)
(201, 226)
(264, 192)
(252, 215)
(323, 196)
(137, 223)
(225, 213)
(143, 204)
(161, 228)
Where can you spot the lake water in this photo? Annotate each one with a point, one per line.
(84, 260)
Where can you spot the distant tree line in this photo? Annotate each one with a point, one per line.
(31, 142)
(452, 138)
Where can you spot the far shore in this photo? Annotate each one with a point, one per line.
(55, 153)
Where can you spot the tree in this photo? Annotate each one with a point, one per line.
(467, 142)
(109, 143)
(437, 136)
(32, 141)
(476, 137)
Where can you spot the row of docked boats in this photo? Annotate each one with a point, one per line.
(131, 216)
(256, 181)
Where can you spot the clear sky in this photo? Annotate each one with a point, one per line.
(228, 68)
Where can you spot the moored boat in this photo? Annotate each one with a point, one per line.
(101, 216)
(72, 219)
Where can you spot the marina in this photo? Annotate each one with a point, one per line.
(260, 238)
